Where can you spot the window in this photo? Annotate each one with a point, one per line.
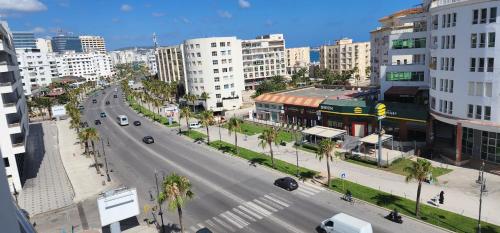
(450, 107)
(491, 64)
(479, 111)
(433, 83)
(448, 20)
(216, 79)
(447, 42)
(446, 85)
(452, 64)
(217, 87)
(228, 43)
(433, 103)
(442, 63)
(491, 39)
(197, 46)
(480, 67)
(443, 21)
(441, 105)
(445, 106)
(405, 76)
(442, 41)
(213, 45)
(487, 113)
(222, 44)
(441, 84)
(224, 70)
(488, 89)
(470, 89)
(454, 22)
(482, 40)
(215, 62)
(453, 41)
(216, 71)
(493, 15)
(6, 162)
(226, 86)
(479, 89)
(447, 63)
(475, 16)
(214, 53)
(472, 65)
(484, 14)
(435, 22)
(470, 110)
(451, 86)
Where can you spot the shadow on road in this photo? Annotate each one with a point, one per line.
(35, 152)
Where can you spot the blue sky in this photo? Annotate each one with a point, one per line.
(132, 23)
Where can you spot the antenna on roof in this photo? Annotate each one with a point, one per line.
(155, 43)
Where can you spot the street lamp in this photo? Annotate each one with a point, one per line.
(482, 189)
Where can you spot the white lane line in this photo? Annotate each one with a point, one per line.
(277, 201)
(229, 219)
(280, 198)
(257, 208)
(223, 224)
(270, 203)
(313, 186)
(210, 223)
(265, 205)
(243, 214)
(301, 193)
(250, 212)
(305, 191)
(237, 218)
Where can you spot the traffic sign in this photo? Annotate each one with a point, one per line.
(343, 175)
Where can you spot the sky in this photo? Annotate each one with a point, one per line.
(133, 22)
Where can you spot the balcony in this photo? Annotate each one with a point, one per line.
(7, 81)
(13, 120)
(10, 100)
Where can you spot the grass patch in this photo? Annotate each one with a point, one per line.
(307, 147)
(259, 158)
(150, 114)
(195, 135)
(432, 215)
(250, 129)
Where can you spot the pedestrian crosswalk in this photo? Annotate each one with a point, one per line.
(252, 211)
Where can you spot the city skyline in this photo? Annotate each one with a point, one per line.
(302, 24)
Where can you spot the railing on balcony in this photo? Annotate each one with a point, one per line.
(17, 140)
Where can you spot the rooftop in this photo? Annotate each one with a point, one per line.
(309, 97)
(320, 93)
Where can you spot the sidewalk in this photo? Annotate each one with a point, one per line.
(84, 178)
(461, 191)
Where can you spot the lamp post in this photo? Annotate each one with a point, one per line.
(159, 204)
(296, 151)
(381, 112)
(105, 161)
(482, 189)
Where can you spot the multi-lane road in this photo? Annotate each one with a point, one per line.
(230, 194)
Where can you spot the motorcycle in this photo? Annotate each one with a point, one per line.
(395, 217)
(348, 197)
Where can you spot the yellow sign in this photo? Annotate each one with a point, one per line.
(358, 110)
(381, 110)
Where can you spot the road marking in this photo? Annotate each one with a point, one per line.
(243, 214)
(229, 219)
(277, 201)
(237, 218)
(280, 198)
(249, 212)
(265, 205)
(210, 223)
(270, 203)
(193, 228)
(257, 208)
(305, 187)
(302, 194)
(223, 224)
(200, 226)
(302, 190)
(313, 186)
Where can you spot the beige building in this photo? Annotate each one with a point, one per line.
(297, 58)
(345, 55)
(263, 58)
(93, 44)
(170, 63)
(45, 45)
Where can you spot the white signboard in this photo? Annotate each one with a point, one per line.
(58, 111)
(118, 204)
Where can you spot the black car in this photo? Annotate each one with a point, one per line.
(84, 124)
(97, 122)
(115, 96)
(107, 102)
(137, 123)
(204, 230)
(287, 183)
(94, 101)
(148, 140)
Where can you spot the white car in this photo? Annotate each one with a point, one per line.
(194, 125)
(343, 223)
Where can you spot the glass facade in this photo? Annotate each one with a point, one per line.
(24, 40)
(413, 43)
(489, 144)
(405, 76)
(66, 43)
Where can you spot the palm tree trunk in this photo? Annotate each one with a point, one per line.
(271, 152)
(95, 159)
(208, 136)
(179, 211)
(417, 206)
(328, 169)
(187, 124)
(86, 152)
(236, 143)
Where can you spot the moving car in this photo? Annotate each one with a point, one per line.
(148, 140)
(115, 96)
(97, 122)
(204, 230)
(194, 125)
(94, 101)
(107, 102)
(287, 183)
(122, 120)
(81, 107)
(84, 124)
(346, 224)
(103, 114)
(137, 123)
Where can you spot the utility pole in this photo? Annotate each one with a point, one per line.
(296, 151)
(159, 204)
(105, 161)
(482, 189)
(381, 113)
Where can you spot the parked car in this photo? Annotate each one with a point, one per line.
(97, 122)
(81, 107)
(137, 123)
(346, 224)
(148, 140)
(94, 101)
(287, 183)
(107, 102)
(115, 96)
(194, 125)
(84, 124)
(103, 114)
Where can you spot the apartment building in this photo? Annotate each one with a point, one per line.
(13, 111)
(464, 100)
(91, 66)
(45, 45)
(170, 63)
(23, 40)
(37, 69)
(263, 58)
(136, 56)
(93, 44)
(64, 43)
(296, 59)
(346, 55)
(214, 65)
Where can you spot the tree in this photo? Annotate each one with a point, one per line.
(234, 125)
(176, 190)
(205, 96)
(190, 98)
(418, 171)
(82, 136)
(207, 119)
(268, 137)
(157, 103)
(92, 135)
(276, 83)
(326, 147)
(186, 113)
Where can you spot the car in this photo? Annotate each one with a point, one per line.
(84, 124)
(81, 107)
(107, 102)
(204, 230)
(94, 101)
(194, 125)
(345, 223)
(115, 96)
(103, 114)
(287, 183)
(148, 140)
(137, 123)
(97, 122)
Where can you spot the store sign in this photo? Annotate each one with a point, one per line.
(326, 107)
(358, 110)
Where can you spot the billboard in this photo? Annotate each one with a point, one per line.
(58, 111)
(117, 204)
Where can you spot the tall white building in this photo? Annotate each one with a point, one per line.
(37, 68)
(13, 111)
(93, 44)
(91, 66)
(135, 56)
(346, 55)
(213, 65)
(465, 89)
(170, 63)
(297, 58)
(45, 45)
(263, 58)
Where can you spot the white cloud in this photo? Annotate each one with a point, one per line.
(158, 14)
(225, 14)
(22, 5)
(38, 30)
(126, 7)
(244, 3)
(115, 20)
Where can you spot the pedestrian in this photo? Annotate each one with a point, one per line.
(441, 197)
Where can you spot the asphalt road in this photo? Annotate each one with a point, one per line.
(230, 194)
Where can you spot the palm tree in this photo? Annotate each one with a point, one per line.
(325, 151)
(83, 137)
(190, 98)
(92, 136)
(268, 137)
(185, 113)
(176, 190)
(157, 103)
(234, 125)
(207, 119)
(205, 96)
(418, 171)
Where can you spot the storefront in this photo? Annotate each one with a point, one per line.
(303, 116)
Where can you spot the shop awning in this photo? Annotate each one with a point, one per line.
(373, 138)
(402, 91)
(324, 132)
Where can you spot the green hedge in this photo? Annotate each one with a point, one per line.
(150, 114)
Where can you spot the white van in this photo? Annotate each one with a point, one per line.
(122, 120)
(194, 125)
(343, 223)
